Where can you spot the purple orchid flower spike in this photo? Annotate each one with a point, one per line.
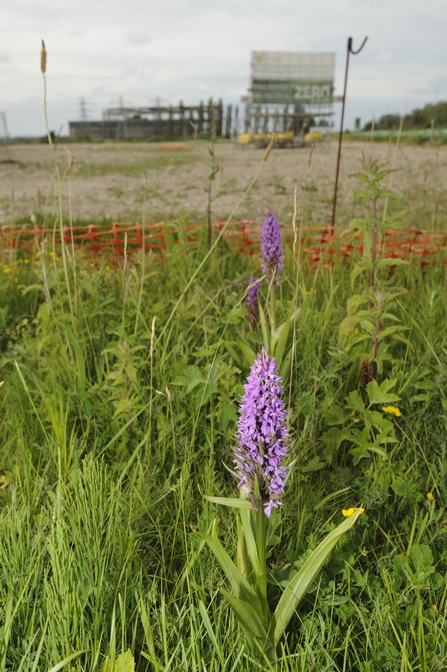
(271, 247)
(252, 305)
(262, 434)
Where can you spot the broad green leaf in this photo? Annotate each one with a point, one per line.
(233, 352)
(233, 502)
(124, 663)
(242, 561)
(252, 626)
(250, 540)
(248, 353)
(383, 263)
(354, 303)
(378, 394)
(359, 453)
(364, 264)
(347, 326)
(355, 401)
(390, 331)
(239, 583)
(335, 415)
(279, 342)
(300, 583)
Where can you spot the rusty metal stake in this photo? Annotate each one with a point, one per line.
(340, 137)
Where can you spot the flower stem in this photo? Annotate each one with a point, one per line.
(261, 542)
(272, 311)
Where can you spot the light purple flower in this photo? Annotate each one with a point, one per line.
(271, 247)
(262, 433)
(252, 301)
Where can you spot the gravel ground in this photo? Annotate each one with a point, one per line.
(136, 181)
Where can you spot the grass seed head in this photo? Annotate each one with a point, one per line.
(43, 59)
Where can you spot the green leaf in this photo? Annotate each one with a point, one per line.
(233, 352)
(124, 663)
(233, 502)
(239, 583)
(347, 326)
(315, 464)
(421, 559)
(359, 453)
(66, 660)
(384, 263)
(263, 321)
(227, 413)
(252, 626)
(279, 340)
(211, 633)
(378, 394)
(364, 264)
(300, 583)
(355, 401)
(250, 540)
(248, 354)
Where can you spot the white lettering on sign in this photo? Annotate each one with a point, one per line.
(315, 92)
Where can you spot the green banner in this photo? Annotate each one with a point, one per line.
(292, 92)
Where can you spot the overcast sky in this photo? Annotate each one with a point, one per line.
(196, 49)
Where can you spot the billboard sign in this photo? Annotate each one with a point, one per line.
(292, 77)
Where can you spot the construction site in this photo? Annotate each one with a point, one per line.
(289, 94)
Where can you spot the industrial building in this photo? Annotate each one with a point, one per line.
(140, 123)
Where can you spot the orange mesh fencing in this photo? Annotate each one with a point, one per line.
(318, 244)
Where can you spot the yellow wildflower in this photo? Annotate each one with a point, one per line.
(393, 410)
(430, 496)
(349, 512)
(3, 482)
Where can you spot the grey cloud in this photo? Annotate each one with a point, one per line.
(138, 38)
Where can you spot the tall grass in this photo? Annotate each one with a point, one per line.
(110, 436)
(117, 412)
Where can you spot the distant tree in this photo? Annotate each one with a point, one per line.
(211, 120)
(219, 120)
(298, 121)
(182, 118)
(387, 122)
(228, 121)
(418, 118)
(171, 122)
(236, 121)
(201, 118)
(190, 130)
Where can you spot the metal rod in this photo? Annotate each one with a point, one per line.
(340, 137)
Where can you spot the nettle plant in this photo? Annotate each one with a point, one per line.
(370, 327)
(365, 424)
(368, 331)
(262, 445)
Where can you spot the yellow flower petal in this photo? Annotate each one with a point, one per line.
(393, 410)
(349, 512)
(430, 496)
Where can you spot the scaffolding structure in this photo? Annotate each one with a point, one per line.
(290, 91)
(134, 123)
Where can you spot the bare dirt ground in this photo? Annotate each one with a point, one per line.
(136, 181)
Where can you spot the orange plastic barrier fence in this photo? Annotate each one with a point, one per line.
(318, 244)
